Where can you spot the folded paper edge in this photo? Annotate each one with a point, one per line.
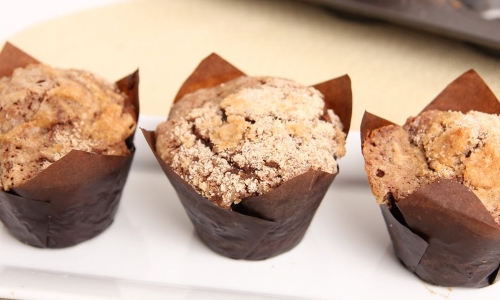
(410, 255)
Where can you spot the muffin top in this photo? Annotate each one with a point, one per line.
(247, 136)
(436, 145)
(46, 112)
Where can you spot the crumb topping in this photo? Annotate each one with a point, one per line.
(247, 136)
(436, 145)
(46, 112)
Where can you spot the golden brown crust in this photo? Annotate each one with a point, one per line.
(247, 136)
(48, 112)
(436, 145)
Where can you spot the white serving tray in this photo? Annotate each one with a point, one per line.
(151, 252)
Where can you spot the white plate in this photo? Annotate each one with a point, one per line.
(152, 252)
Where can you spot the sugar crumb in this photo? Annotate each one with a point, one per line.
(437, 145)
(248, 136)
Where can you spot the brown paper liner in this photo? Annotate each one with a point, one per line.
(268, 225)
(442, 232)
(76, 197)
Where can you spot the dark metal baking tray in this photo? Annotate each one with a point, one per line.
(476, 22)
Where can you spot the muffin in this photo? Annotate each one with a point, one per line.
(435, 179)
(66, 142)
(257, 153)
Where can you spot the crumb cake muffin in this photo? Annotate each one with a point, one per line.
(247, 136)
(434, 179)
(47, 112)
(252, 158)
(432, 146)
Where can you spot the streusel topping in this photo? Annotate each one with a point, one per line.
(247, 136)
(46, 112)
(437, 145)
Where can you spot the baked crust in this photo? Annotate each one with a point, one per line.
(247, 136)
(47, 112)
(436, 145)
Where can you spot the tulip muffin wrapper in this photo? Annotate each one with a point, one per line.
(442, 232)
(267, 225)
(74, 199)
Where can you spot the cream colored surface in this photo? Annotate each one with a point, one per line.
(395, 72)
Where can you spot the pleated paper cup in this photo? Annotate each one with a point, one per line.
(270, 224)
(76, 197)
(442, 232)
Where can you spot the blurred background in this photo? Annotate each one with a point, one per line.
(399, 54)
